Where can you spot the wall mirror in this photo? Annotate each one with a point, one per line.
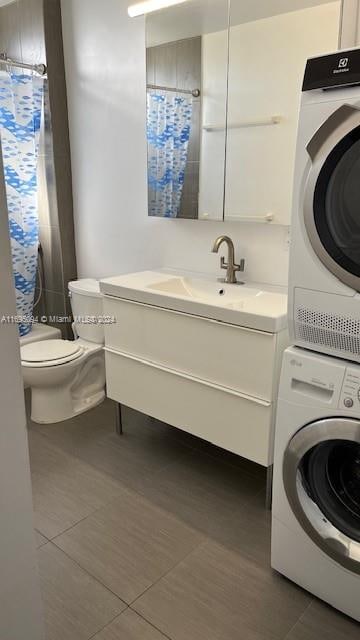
(223, 92)
(186, 67)
(269, 43)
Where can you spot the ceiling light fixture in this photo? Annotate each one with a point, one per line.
(140, 8)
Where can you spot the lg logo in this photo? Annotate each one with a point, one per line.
(343, 62)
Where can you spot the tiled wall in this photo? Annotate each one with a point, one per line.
(178, 65)
(30, 30)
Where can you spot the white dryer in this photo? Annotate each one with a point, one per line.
(316, 501)
(324, 282)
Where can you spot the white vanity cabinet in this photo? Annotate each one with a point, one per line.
(213, 379)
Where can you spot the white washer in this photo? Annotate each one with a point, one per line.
(316, 501)
(324, 282)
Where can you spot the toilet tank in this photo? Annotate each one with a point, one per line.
(86, 305)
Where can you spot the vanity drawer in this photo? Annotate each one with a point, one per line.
(234, 422)
(227, 355)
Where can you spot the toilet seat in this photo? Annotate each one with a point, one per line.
(50, 353)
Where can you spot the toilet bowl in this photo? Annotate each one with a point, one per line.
(38, 333)
(67, 377)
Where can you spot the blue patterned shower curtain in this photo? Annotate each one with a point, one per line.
(21, 98)
(168, 132)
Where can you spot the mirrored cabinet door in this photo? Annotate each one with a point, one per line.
(186, 69)
(269, 44)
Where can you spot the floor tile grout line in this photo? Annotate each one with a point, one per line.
(243, 502)
(138, 490)
(118, 616)
(205, 538)
(42, 544)
(107, 624)
(92, 513)
(106, 474)
(194, 447)
(41, 533)
(151, 624)
(122, 490)
(141, 495)
(203, 541)
(88, 573)
(201, 544)
(191, 450)
(299, 619)
(129, 604)
(196, 548)
(58, 535)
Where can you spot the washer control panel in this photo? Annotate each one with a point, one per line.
(350, 392)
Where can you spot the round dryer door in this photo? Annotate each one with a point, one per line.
(332, 195)
(321, 475)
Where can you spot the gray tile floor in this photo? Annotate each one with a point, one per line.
(159, 535)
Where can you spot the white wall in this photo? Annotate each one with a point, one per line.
(350, 24)
(20, 610)
(105, 67)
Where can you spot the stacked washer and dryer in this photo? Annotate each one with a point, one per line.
(316, 501)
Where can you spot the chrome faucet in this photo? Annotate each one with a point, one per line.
(230, 266)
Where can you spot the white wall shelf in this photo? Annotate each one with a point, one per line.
(245, 124)
(267, 218)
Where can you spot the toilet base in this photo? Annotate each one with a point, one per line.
(63, 390)
(60, 407)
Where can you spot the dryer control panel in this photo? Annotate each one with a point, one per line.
(335, 70)
(350, 392)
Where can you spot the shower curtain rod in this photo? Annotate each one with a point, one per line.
(40, 69)
(195, 93)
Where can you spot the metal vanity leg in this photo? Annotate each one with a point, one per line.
(269, 479)
(118, 419)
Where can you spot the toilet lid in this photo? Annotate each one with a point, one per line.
(50, 351)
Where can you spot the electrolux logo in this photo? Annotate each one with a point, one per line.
(343, 66)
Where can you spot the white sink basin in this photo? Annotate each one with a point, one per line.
(203, 290)
(243, 305)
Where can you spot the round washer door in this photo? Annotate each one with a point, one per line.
(321, 475)
(332, 195)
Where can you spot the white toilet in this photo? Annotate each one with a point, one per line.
(67, 377)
